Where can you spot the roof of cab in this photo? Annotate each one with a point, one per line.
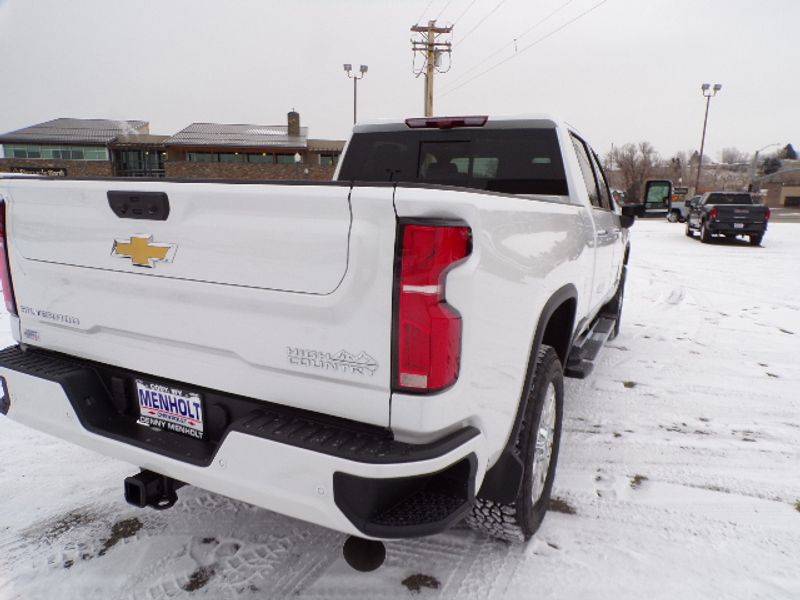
(537, 121)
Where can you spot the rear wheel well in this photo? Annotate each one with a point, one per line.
(558, 332)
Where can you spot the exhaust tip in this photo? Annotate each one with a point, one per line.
(364, 555)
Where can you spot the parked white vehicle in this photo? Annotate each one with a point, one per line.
(381, 355)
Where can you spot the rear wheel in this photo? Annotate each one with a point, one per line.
(705, 234)
(755, 240)
(537, 447)
(672, 217)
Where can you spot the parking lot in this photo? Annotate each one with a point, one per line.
(678, 473)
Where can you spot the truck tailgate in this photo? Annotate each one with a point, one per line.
(262, 290)
(741, 213)
(228, 234)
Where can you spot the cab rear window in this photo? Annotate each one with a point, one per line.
(719, 198)
(521, 161)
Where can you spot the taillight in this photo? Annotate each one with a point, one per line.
(5, 272)
(713, 213)
(769, 213)
(427, 329)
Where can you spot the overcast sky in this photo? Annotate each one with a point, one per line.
(627, 71)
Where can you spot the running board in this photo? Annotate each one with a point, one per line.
(581, 358)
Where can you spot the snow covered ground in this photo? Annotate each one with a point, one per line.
(679, 474)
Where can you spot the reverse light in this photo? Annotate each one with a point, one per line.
(446, 122)
(5, 271)
(427, 329)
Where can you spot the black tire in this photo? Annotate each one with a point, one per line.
(705, 234)
(689, 231)
(519, 520)
(755, 240)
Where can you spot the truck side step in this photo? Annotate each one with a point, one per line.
(581, 359)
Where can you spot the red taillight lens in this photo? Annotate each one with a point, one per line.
(5, 272)
(713, 214)
(769, 213)
(428, 330)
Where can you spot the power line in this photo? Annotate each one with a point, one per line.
(528, 47)
(466, 10)
(513, 42)
(489, 14)
(444, 8)
(419, 18)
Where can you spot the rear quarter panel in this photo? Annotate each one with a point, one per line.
(524, 250)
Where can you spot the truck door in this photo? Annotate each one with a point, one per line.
(605, 224)
(615, 233)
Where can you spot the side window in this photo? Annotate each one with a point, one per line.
(602, 183)
(586, 170)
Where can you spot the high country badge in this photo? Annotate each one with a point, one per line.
(142, 251)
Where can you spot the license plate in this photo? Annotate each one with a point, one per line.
(738, 225)
(170, 408)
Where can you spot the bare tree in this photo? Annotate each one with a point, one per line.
(731, 156)
(633, 163)
(679, 166)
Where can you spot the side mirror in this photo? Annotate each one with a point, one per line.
(629, 214)
(657, 194)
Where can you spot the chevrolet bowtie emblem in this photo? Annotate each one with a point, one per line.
(142, 251)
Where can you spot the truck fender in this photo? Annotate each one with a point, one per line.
(502, 481)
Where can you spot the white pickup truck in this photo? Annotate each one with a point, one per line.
(381, 355)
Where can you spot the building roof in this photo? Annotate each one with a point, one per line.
(74, 131)
(238, 136)
(326, 145)
(139, 140)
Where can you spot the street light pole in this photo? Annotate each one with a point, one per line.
(755, 163)
(355, 77)
(708, 92)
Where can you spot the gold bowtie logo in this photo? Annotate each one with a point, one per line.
(142, 251)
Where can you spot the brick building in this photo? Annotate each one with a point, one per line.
(65, 147)
(224, 151)
(104, 148)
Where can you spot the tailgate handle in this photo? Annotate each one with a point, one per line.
(152, 206)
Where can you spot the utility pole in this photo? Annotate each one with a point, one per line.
(432, 49)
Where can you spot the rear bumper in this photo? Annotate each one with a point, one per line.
(729, 228)
(335, 473)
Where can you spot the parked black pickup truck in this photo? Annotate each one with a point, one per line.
(726, 213)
